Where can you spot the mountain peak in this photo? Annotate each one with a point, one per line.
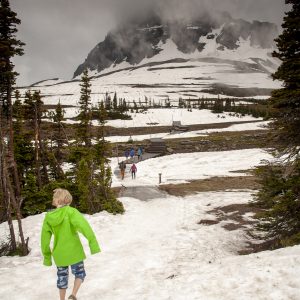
(141, 38)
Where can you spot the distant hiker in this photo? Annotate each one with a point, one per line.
(133, 170)
(122, 167)
(140, 153)
(132, 153)
(126, 154)
(65, 222)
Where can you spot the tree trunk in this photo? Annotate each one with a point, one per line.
(43, 157)
(18, 215)
(10, 198)
(37, 156)
(4, 190)
(11, 152)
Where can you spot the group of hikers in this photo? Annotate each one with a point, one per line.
(130, 153)
(133, 169)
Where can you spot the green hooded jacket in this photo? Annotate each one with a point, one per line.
(65, 223)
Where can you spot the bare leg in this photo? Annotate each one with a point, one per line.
(62, 294)
(77, 284)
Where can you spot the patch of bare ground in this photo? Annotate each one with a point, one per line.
(211, 184)
(234, 216)
(237, 217)
(110, 131)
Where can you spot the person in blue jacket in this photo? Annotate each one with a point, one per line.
(126, 153)
(140, 153)
(132, 153)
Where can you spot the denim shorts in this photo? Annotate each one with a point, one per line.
(63, 274)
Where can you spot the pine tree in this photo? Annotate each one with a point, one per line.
(40, 151)
(85, 112)
(59, 139)
(107, 102)
(124, 107)
(287, 99)
(10, 46)
(115, 102)
(29, 107)
(24, 152)
(280, 192)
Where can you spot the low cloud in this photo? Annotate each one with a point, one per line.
(60, 33)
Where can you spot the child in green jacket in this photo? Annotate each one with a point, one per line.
(64, 223)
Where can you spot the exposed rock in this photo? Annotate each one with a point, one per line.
(134, 41)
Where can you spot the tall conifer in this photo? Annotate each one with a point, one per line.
(280, 192)
(85, 111)
(10, 46)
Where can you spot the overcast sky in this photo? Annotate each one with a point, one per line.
(60, 33)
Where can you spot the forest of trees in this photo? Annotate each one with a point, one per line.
(31, 165)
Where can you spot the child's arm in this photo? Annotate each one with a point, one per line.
(82, 226)
(45, 243)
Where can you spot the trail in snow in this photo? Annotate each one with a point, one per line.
(157, 249)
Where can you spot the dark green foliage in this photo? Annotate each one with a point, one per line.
(111, 115)
(29, 107)
(115, 102)
(180, 103)
(38, 201)
(124, 107)
(167, 103)
(287, 99)
(218, 107)
(94, 188)
(280, 192)
(116, 115)
(6, 248)
(280, 199)
(85, 115)
(35, 201)
(24, 151)
(56, 156)
(10, 46)
(93, 173)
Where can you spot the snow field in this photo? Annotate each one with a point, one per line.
(162, 81)
(156, 250)
(179, 168)
(163, 117)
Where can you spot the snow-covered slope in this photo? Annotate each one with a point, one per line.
(158, 249)
(157, 61)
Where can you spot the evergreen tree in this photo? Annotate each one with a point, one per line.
(125, 107)
(280, 194)
(167, 103)
(10, 46)
(24, 152)
(40, 149)
(287, 99)
(135, 106)
(115, 102)
(87, 186)
(59, 138)
(29, 107)
(107, 102)
(85, 114)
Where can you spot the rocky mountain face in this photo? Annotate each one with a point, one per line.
(134, 41)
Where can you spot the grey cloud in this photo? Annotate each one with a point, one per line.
(60, 33)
